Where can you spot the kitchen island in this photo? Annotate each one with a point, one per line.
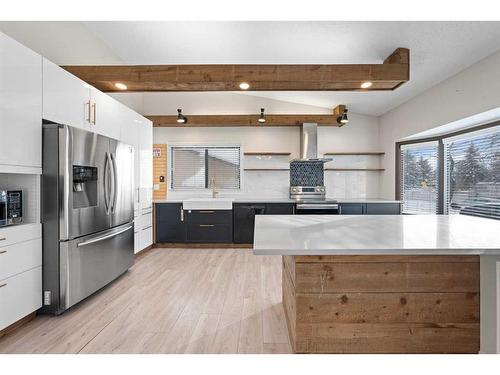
(388, 283)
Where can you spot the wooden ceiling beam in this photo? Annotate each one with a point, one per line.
(334, 77)
(242, 120)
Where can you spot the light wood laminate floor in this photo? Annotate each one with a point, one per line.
(172, 301)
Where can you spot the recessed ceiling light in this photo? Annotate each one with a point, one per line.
(262, 119)
(366, 85)
(120, 86)
(244, 86)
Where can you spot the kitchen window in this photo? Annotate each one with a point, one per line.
(472, 170)
(198, 167)
(457, 173)
(419, 178)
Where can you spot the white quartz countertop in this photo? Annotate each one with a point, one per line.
(285, 200)
(375, 235)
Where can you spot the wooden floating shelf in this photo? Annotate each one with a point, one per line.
(353, 153)
(267, 169)
(355, 169)
(267, 153)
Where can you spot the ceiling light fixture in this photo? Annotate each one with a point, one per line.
(342, 120)
(262, 119)
(181, 119)
(244, 85)
(120, 86)
(366, 85)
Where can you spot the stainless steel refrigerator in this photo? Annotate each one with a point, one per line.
(87, 214)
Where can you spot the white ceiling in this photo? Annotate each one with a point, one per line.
(438, 49)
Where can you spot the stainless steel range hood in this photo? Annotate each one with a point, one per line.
(309, 143)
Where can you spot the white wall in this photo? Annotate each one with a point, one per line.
(361, 134)
(472, 91)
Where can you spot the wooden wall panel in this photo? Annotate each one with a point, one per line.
(387, 338)
(160, 169)
(388, 307)
(387, 277)
(371, 304)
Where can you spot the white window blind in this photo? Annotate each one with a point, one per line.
(472, 174)
(419, 178)
(224, 167)
(199, 167)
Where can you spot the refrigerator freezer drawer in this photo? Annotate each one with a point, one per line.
(89, 263)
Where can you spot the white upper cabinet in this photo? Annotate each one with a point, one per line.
(20, 105)
(106, 114)
(66, 98)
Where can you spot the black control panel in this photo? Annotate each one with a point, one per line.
(84, 174)
(15, 205)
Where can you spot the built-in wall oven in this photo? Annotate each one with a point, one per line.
(317, 208)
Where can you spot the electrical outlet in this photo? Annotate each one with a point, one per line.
(46, 297)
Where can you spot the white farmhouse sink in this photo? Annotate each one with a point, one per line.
(208, 204)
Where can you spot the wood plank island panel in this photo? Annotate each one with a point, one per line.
(371, 304)
(160, 169)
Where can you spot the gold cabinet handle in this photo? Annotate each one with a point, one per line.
(87, 109)
(207, 225)
(3, 252)
(94, 106)
(1, 286)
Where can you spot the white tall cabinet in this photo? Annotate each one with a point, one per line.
(20, 168)
(31, 89)
(20, 106)
(141, 137)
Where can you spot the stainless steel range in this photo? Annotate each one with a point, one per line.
(307, 186)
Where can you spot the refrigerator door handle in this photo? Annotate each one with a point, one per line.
(106, 183)
(115, 183)
(105, 237)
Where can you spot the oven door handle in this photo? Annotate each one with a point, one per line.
(316, 206)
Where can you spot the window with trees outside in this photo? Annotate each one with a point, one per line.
(419, 178)
(452, 174)
(472, 174)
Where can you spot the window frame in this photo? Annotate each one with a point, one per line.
(441, 160)
(206, 146)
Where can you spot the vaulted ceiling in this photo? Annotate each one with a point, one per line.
(438, 49)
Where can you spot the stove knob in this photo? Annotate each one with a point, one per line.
(294, 190)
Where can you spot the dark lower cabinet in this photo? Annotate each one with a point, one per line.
(244, 218)
(244, 221)
(351, 209)
(169, 223)
(280, 208)
(388, 208)
(208, 226)
(237, 225)
(383, 208)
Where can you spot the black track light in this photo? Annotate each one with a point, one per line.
(181, 119)
(262, 119)
(342, 120)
